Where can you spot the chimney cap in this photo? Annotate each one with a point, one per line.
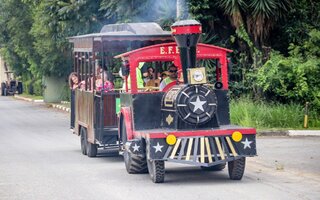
(189, 22)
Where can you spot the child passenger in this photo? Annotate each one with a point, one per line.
(107, 86)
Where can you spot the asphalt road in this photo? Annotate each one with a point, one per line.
(41, 159)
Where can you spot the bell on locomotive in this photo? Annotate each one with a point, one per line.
(191, 104)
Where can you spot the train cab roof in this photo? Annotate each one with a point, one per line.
(117, 33)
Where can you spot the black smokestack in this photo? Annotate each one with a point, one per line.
(187, 34)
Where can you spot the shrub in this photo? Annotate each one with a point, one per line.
(294, 78)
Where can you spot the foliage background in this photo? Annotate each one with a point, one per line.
(276, 42)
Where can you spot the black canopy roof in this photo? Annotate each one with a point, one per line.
(130, 32)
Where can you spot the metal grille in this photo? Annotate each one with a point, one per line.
(202, 151)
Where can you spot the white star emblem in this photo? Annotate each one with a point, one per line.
(135, 147)
(198, 104)
(158, 147)
(247, 143)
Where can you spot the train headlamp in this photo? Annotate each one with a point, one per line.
(237, 136)
(198, 75)
(171, 139)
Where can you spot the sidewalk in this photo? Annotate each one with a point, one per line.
(28, 99)
(289, 132)
(63, 105)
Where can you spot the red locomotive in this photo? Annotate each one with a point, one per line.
(188, 121)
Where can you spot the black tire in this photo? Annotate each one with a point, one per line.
(83, 140)
(3, 86)
(92, 149)
(236, 168)
(156, 170)
(20, 88)
(218, 167)
(135, 164)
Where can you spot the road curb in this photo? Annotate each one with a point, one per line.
(291, 133)
(272, 133)
(60, 107)
(304, 132)
(28, 99)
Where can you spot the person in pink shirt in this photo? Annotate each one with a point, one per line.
(107, 86)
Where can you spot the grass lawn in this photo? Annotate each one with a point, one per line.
(268, 116)
(34, 97)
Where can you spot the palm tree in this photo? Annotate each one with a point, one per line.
(234, 9)
(263, 15)
(258, 15)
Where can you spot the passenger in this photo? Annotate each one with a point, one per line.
(73, 81)
(138, 75)
(148, 75)
(172, 76)
(164, 75)
(82, 85)
(107, 86)
(73, 84)
(150, 79)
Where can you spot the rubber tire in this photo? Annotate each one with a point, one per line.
(20, 88)
(3, 86)
(156, 170)
(92, 149)
(236, 168)
(83, 141)
(135, 164)
(218, 167)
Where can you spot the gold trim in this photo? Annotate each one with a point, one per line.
(173, 153)
(202, 150)
(219, 148)
(208, 150)
(189, 148)
(169, 119)
(231, 147)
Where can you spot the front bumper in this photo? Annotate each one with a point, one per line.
(203, 150)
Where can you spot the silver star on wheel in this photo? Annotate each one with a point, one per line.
(135, 147)
(247, 143)
(198, 104)
(158, 147)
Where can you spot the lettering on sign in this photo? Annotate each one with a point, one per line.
(171, 50)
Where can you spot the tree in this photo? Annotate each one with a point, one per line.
(259, 16)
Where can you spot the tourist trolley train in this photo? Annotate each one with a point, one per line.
(187, 122)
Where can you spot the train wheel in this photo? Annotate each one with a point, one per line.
(92, 149)
(156, 170)
(236, 168)
(83, 141)
(218, 167)
(135, 164)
